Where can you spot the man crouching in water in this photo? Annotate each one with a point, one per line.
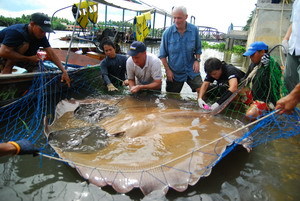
(19, 44)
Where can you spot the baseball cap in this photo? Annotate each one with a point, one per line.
(42, 20)
(136, 47)
(256, 46)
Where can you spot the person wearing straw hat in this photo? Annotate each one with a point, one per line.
(143, 69)
(19, 44)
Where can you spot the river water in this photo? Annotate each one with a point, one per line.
(269, 172)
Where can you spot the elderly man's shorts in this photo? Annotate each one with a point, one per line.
(176, 87)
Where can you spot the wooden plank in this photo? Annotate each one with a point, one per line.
(76, 59)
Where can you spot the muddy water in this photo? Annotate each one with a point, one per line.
(269, 172)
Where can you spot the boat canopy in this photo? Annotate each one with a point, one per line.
(130, 5)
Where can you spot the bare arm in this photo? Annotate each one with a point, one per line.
(289, 102)
(288, 33)
(10, 53)
(156, 84)
(52, 56)
(131, 83)
(196, 65)
(7, 149)
(203, 89)
(233, 84)
(169, 72)
(55, 59)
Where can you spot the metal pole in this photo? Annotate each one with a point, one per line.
(153, 24)
(54, 14)
(123, 19)
(77, 13)
(165, 22)
(105, 16)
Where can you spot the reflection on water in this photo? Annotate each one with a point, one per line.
(228, 57)
(268, 172)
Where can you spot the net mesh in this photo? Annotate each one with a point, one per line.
(24, 119)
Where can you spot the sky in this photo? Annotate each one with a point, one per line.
(213, 13)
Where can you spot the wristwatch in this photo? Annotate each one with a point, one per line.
(198, 59)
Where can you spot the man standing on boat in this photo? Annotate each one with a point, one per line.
(180, 52)
(143, 69)
(19, 44)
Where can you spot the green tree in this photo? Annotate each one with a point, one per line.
(57, 23)
(247, 26)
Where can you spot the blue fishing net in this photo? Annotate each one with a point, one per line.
(24, 117)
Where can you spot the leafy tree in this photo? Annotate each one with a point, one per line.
(57, 23)
(247, 26)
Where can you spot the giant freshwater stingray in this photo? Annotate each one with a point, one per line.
(151, 144)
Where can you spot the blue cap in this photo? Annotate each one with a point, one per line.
(256, 46)
(136, 47)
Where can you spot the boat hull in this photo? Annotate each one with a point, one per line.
(15, 86)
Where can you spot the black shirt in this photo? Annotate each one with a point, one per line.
(228, 72)
(15, 35)
(114, 67)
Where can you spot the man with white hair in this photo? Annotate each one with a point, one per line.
(180, 52)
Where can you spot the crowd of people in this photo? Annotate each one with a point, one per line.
(180, 55)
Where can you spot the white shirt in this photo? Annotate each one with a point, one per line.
(146, 75)
(294, 41)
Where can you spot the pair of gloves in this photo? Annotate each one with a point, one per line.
(24, 147)
(111, 87)
(265, 59)
(202, 104)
